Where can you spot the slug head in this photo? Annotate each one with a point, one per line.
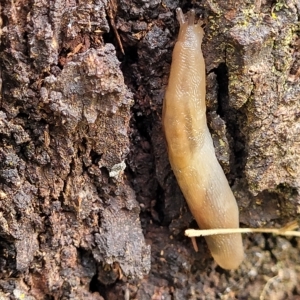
(190, 34)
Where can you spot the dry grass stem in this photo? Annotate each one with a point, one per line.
(287, 230)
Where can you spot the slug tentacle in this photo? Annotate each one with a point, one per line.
(191, 17)
(180, 16)
(190, 147)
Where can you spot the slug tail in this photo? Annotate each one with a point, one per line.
(227, 250)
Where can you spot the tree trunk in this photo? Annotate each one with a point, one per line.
(87, 195)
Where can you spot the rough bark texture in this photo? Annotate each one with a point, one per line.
(87, 196)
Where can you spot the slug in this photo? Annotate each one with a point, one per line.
(190, 146)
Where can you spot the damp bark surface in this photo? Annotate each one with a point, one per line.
(89, 206)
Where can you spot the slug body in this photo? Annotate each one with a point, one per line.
(190, 146)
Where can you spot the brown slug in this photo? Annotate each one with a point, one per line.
(190, 146)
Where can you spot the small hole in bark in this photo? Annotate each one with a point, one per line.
(22, 115)
(102, 289)
(222, 78)
(104, 172)
(110, 38)
(221, 271)
(131, 55)
(95, 157)
(96, 286)
(294, 242)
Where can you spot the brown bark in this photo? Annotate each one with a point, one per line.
(84, 173)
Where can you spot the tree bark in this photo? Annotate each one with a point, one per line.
(87, 195)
